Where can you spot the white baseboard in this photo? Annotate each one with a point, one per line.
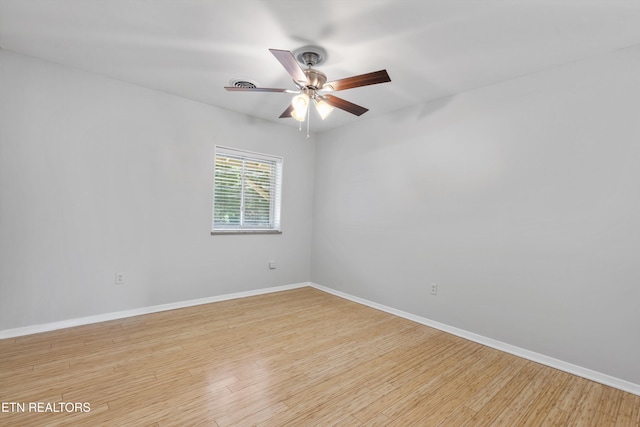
(498, 345)
(489, 342)
(46, 327)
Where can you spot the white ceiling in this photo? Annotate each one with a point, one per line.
(431, 48)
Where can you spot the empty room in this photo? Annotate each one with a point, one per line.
(319, 213)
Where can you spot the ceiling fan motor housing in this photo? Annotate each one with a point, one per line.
(316, 79)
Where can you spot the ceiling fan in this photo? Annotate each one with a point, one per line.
(312, 84)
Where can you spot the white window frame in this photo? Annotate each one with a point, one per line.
(245, 156)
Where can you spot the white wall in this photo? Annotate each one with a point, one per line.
(520, 200)
(99, 177)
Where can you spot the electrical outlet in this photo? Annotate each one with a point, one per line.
(434, 289)
(119, 278)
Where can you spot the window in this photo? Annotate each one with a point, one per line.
(246, 195)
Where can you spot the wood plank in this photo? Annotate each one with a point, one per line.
(298, 357)
(585, 411)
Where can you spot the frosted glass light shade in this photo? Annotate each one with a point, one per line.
(323, 108)
(300, 102)
(299, 117)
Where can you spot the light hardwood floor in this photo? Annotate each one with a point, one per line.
(292, 358)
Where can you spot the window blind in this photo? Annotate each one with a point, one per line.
(247, 189)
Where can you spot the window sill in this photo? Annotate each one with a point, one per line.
(236, 232)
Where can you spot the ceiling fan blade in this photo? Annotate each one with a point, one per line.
(340, 103)
(253, 89)
(290, 64)
(287, 113)
(357, 81)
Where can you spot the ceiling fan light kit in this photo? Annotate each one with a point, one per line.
(312, 84)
